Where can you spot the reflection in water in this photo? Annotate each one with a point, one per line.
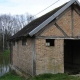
(4, 65)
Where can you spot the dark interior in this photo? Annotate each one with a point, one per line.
(72, 56)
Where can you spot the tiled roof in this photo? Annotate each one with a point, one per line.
(32, 25)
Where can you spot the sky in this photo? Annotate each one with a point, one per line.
(33, 7)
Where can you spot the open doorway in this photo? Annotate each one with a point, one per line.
(72, 56)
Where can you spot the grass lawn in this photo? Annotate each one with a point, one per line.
(6, 53)
(11, 76)
(55, 77)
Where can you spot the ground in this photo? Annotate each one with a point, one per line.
(12, 76)
(55, 77)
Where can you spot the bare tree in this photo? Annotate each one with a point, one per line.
(29, 17)
(9, 25)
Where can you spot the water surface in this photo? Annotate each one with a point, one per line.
(4, 64)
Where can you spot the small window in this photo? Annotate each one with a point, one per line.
(13, 43)
(49, 42)
(24, 42)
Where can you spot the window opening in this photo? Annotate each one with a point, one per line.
(24, 42)
(49, 42)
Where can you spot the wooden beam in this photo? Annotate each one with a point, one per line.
(76, 8)
(52, 22)
(61, 29)
(77, 11)
(33, 58)
(57, 37)
(72, 19)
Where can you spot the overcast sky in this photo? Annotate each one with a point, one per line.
(28, 6)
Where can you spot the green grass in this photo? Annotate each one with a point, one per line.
(55, 77)
(6, 52)
(11, 76)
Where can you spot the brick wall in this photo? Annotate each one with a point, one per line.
(49, 59)
(22, 56)
(76, 24)
(65, 23)
(52, 30)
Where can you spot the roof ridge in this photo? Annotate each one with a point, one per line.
(36, 25)
(39, 27)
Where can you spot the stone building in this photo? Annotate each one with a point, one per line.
(50, 43)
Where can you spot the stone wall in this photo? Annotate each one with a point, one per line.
(22, 56)
(49, 59)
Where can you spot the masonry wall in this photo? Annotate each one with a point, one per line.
(49, 59)
(65, 23)
(22, 56)
(52, 31)
(70, 23)
(76, 24)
